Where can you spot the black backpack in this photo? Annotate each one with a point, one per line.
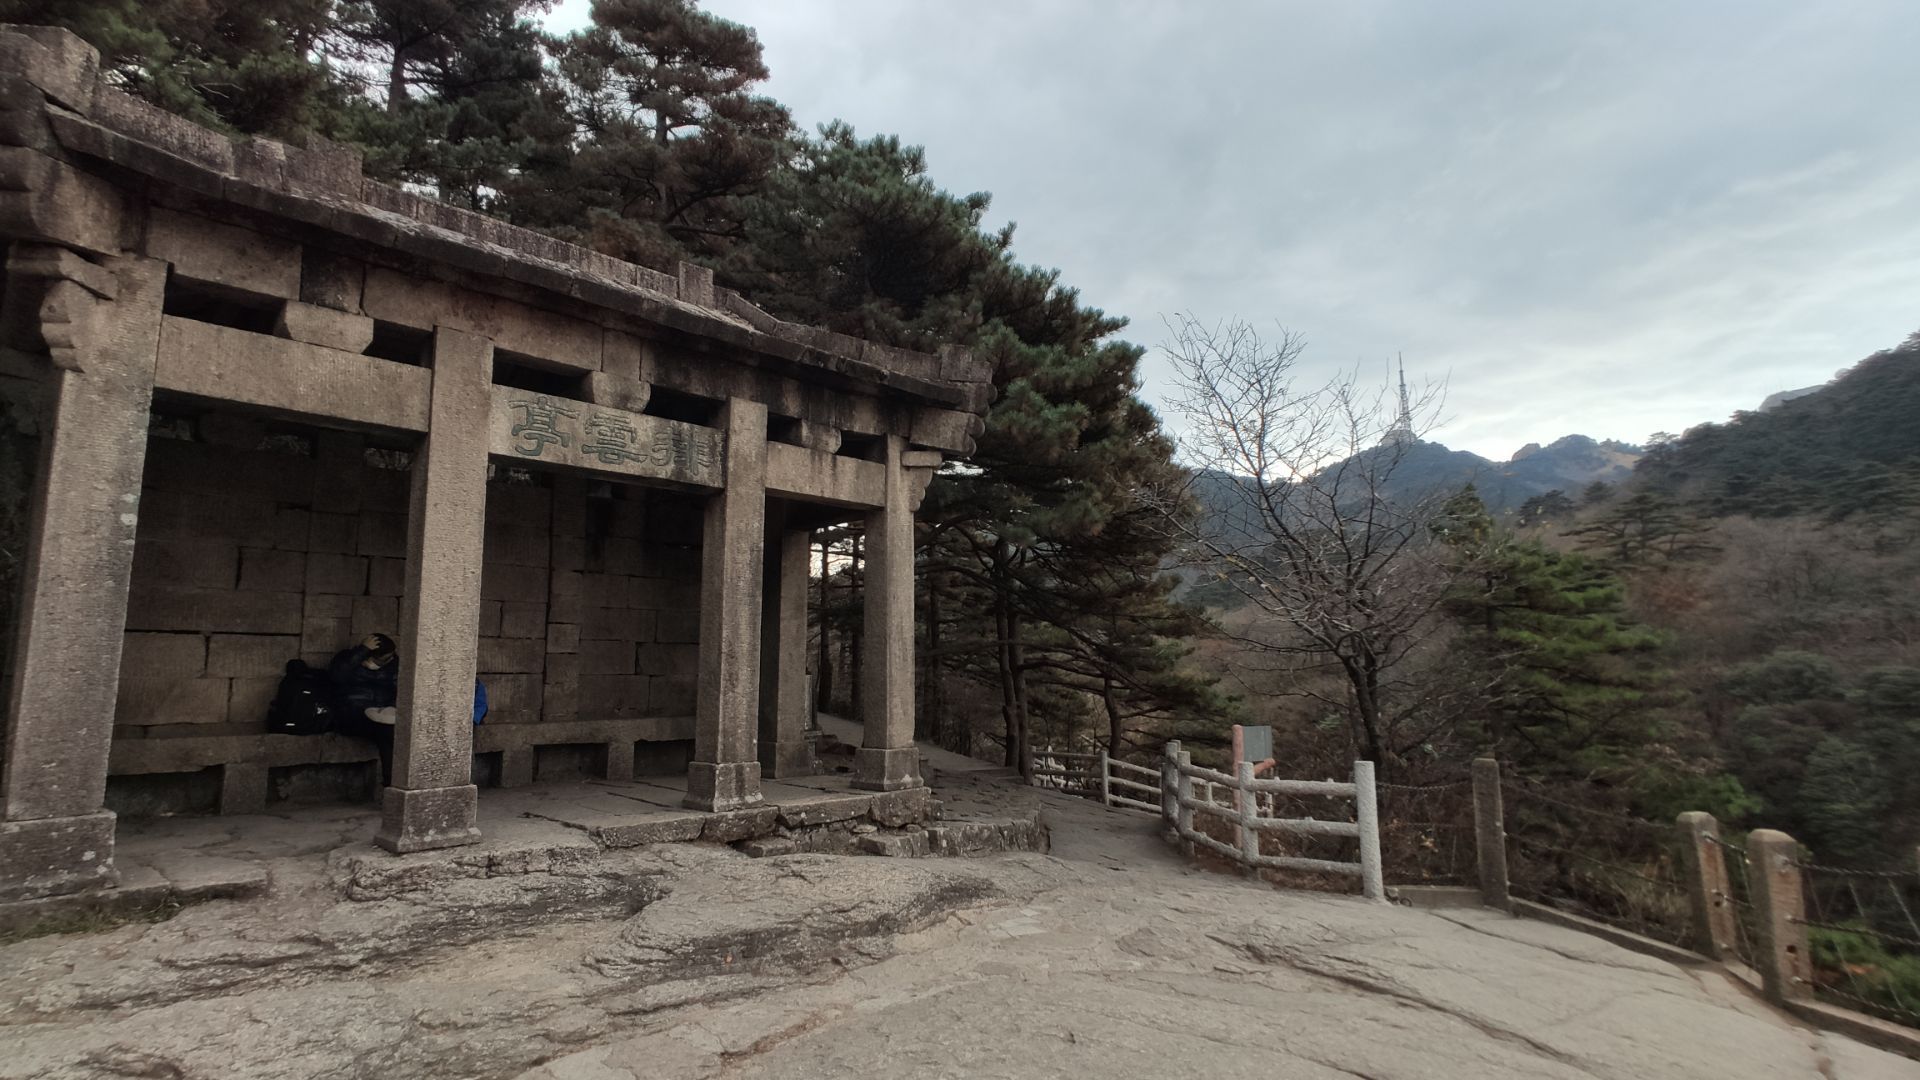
(304, 703)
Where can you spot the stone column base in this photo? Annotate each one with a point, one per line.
(783, 759)
(56, 856)
(876, 769)
(423, 819)
(722, 786)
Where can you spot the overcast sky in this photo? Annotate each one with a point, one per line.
(1610, 218)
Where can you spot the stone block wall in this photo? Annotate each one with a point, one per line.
(254, 548)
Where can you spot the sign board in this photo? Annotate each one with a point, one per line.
(550, 430)
(1255, 743)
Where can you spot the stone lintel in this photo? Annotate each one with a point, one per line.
(559, 340)
(56, 856)
(422, 819)
(224, 364)
(796, 472)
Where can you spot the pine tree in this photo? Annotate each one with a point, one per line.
(239, 65)
(1570, 692)
(461, 90)
(671, 136)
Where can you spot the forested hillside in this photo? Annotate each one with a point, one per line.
(1851, 448)
(1775, 555)
(646, 136)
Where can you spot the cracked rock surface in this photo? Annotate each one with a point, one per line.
(1106, 958)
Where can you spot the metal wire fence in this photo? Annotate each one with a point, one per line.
(1596, 862)
(1426, 832)
(1864, 939)
(1738, 896)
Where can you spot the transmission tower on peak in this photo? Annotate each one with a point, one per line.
(1402, 430)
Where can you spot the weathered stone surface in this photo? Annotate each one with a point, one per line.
(663, 830)
(317, 325)
(53, 856)
(903, 807)
(207, 250)
(291, 376)
(250, 655)
(422, 819)
(818, 811)
(731, 825)
(896, 845)
(971, 839)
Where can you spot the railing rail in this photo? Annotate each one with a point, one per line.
(1189, 789)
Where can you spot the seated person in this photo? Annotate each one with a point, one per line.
(365, 681)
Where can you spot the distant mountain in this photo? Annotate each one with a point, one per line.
(1432, 469)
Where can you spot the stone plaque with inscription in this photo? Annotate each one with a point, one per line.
(542, 429)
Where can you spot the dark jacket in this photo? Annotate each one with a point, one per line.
(357, 687)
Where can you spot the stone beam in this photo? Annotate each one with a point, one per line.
(206, 250)
(795, 472)
(46, 201)
(55, 834)
(531, 428)
(223, 364)
(432, 802)
(568, 343)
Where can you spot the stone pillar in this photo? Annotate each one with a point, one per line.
(433, 802)
(887, 759)
(1708, 887)
(783, 649)
(101, 325)
(1779, 914)
(1490, 833)
(725, 773)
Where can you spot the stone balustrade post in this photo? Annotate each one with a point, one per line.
(1709, 889)
(1779, 899)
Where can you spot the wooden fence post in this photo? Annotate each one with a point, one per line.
(1490, 834)
(1780, 910)
(1245, 806)
(1106, 788)
(1366, 802)
(1708, 886)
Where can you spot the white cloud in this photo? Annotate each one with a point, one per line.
(1593, 217)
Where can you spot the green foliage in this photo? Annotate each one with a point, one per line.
(1785, 677)
(1859, 965)
(1642, 529)
(1569, 693)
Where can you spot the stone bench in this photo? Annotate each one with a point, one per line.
(245, 761)
(517, 743)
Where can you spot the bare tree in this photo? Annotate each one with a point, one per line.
(1307, 524)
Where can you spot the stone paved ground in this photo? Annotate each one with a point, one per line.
(1105, 958)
